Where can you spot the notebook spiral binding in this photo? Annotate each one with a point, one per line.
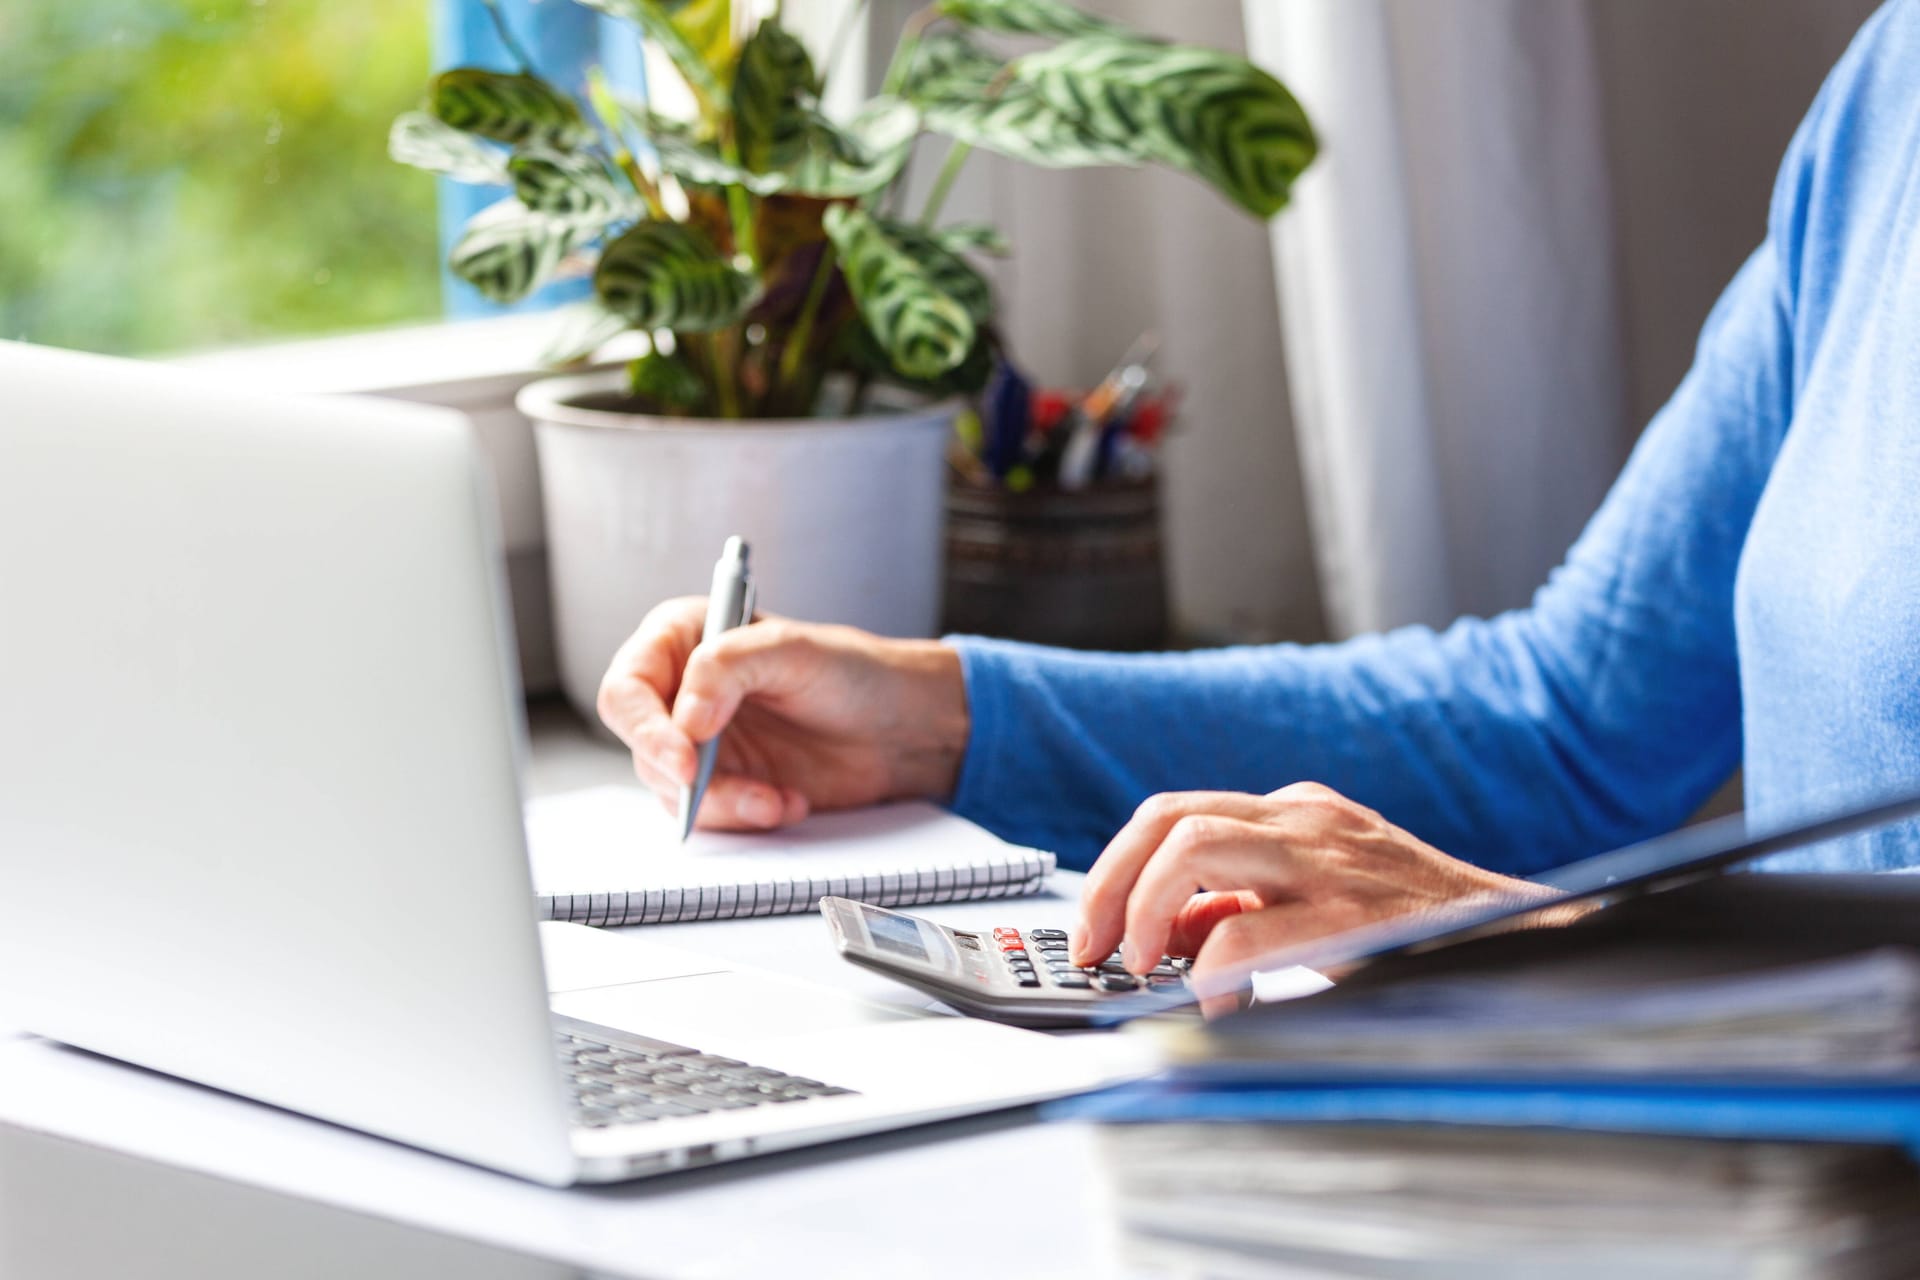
(924, 886)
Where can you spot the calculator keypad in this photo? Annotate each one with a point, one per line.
(1027, 956)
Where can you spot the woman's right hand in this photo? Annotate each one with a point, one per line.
(816, 717)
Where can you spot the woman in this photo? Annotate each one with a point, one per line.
(1748, 593)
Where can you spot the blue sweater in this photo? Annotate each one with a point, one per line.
(1749, 591)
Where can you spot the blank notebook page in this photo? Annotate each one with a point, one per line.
(612, 855)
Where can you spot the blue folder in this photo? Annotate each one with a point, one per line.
(1842, 1111)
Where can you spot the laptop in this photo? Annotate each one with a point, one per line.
(260, 813)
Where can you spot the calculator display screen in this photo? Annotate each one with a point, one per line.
(897, 934)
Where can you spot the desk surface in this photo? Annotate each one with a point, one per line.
(895, 1204)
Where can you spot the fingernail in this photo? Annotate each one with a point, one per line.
(1077, 942)
(1130, 955)
(758, 810)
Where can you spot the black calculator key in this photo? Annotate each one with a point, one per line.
(1060, 934)
(1056, 948)
(1012, 957)
(1118, 982)
(1164, 970)
(1071, 981)
(1028, 979)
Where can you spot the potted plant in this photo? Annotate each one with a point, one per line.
(806, 336)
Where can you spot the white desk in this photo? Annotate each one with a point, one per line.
(997, 1193)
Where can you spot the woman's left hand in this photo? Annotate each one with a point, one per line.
(1227, 877)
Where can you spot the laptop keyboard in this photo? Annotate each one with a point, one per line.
(638, 1080)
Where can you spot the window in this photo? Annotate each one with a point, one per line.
(193, 173)
(183, 174)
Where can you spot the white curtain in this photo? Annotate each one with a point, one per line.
(1447, 285)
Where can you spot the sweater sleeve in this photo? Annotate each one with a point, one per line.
(1605, 712)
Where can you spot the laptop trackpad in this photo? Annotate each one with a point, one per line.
(713, 1011)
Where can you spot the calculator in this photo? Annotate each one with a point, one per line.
(1007, 974)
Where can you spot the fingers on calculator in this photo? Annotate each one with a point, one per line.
(1024, 977)
(1040, 952)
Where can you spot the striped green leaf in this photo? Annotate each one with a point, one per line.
(571, 184)
(972, 237)
(1027, 17)
(953, 62)
(859, 159)
(775, 99)
(1214, 115)
(701, 165)
(513, 109)
(663, 275)
(962, 93)
(424, 142)
(969, 377)
(924, 330)
(950, 273)
(858, 350)
(509, 250)
(1022, 125)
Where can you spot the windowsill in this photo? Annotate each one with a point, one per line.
(468, 353)
(475, 367)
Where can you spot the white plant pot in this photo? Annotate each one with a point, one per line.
(844, 516)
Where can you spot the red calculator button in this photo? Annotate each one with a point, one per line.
(1012, 944)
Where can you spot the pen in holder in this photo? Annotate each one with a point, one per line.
(1053, 511)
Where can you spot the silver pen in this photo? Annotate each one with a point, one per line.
(729, 605)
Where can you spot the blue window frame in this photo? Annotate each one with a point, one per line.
(563, 39)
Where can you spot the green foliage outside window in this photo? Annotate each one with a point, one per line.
(189, 173)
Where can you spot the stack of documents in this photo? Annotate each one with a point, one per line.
(1722, 1081)
(1649, 1009)
(1231, 1200)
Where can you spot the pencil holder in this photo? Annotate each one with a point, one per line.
(1079, 570)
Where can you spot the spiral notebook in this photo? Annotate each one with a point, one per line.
(612, 856)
